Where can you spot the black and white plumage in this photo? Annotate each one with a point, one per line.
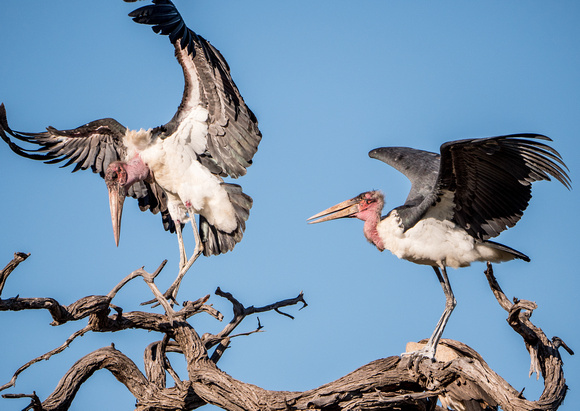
(459, 199)
(177, 168)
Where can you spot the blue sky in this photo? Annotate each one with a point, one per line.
(329, 81)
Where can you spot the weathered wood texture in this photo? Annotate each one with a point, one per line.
(462, 382)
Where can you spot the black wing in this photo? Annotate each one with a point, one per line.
(94, 145)
(483, 185)
(233, 135)
(421, 168)
(490, 179)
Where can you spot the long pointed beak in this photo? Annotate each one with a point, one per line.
(116, 200)
(345, 209)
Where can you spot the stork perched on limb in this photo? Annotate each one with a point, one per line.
(471, 192)
(176, 168)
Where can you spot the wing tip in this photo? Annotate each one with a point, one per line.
(373, 153)
(165, 19)
(3, 118)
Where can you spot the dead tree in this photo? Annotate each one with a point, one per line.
(461, 381)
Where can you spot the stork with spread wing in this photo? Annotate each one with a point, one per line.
(177, 168)
(459, 199)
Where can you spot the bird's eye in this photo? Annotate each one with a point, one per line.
(369, 201)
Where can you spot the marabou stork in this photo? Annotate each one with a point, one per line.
(176, 168)
(472, 191)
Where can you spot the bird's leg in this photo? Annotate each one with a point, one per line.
(198, 244)
(184, 264)
(196, 253)
(182, 254)
(450, 303)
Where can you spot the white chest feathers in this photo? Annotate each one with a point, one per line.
(434, 241)
(190, 187)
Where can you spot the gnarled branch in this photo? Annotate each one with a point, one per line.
(460, 377)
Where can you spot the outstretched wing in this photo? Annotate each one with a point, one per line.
(421, 168)
(233, 136)
(483, 185)
(490, 179)
(94, 145)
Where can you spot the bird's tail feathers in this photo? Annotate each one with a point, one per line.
(508, 250)
(218, 242)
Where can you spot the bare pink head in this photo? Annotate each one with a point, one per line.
(119, 177)
(366, 206)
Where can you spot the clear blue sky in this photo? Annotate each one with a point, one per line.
(329, 81)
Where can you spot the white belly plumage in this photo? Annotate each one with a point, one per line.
(186, 181)
(435, 242)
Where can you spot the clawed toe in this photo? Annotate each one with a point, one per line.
(415, 357)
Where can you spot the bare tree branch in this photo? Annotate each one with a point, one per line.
(241, 312)
(125, 371)
(46, 356)
(18, 258)
(462, 380)
(134, 274)
(34, 402)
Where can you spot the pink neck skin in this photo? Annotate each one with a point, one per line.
(372, 216)
(136, 170)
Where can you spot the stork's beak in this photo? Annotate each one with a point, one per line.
(345, 209)
(116, 200)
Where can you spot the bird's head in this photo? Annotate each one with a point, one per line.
(365, 206)
(116, 179)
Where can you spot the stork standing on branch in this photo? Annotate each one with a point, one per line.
(471, 192)
(176, 168)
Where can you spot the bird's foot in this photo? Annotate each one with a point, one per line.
(414, 358)
(425, 352)
(171, 293)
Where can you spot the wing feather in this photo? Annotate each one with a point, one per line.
(490, 179)
(95, 144)
(233, 135)
(422, 169)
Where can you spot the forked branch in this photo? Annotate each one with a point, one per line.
(462, 381)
